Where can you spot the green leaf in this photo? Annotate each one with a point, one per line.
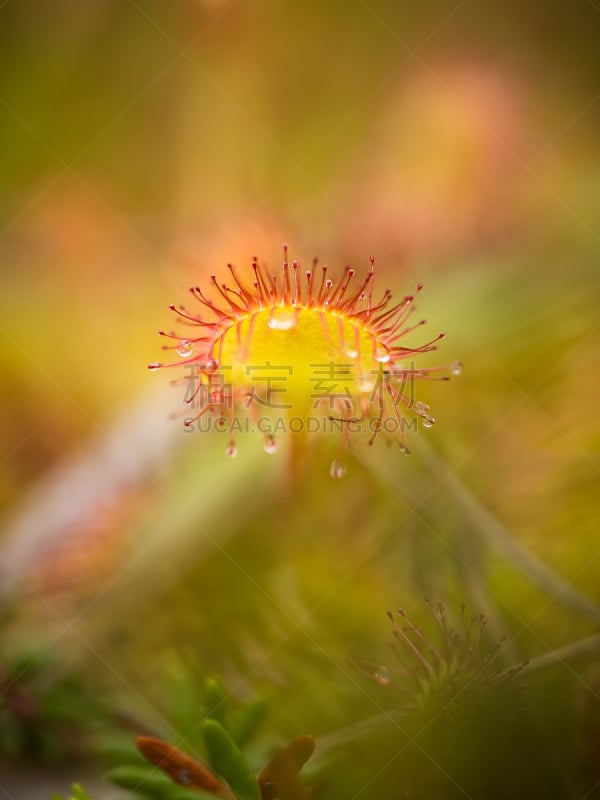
(248, 720)
(77, 793)
(179, 793)
(227, 759)
(146, 782)
(214, 698)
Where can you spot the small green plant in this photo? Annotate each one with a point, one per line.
(77, 793)
(438, 671)
(222, 769)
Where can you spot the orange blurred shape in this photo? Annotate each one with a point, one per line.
(443, 159)
(180, 767)
(280, 777)
(80, 230)
(88, 553)
(198, 253)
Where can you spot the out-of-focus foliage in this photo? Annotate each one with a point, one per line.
(47, 715)
(221, 734)
(77, 793)
(209, 725)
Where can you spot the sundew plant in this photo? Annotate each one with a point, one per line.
(293, 347)
(333, 533)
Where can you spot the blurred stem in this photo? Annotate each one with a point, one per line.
(500, 537)
(570, 652)
(490, 530)
(296, 460)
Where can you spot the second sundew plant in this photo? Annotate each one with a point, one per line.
(437, 672)
(299, 352)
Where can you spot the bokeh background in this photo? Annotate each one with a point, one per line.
(145, 145)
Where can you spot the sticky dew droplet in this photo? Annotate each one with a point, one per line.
(184, 776)
(381, 353)
(350, 349)
(455, 368)
(383, 676)
(232, 450)
(270, 444)
(337, 470)
(282, 319)
(185, 348)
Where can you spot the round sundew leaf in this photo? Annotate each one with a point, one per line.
(281, 347)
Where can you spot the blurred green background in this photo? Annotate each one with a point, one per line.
(145, 145)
